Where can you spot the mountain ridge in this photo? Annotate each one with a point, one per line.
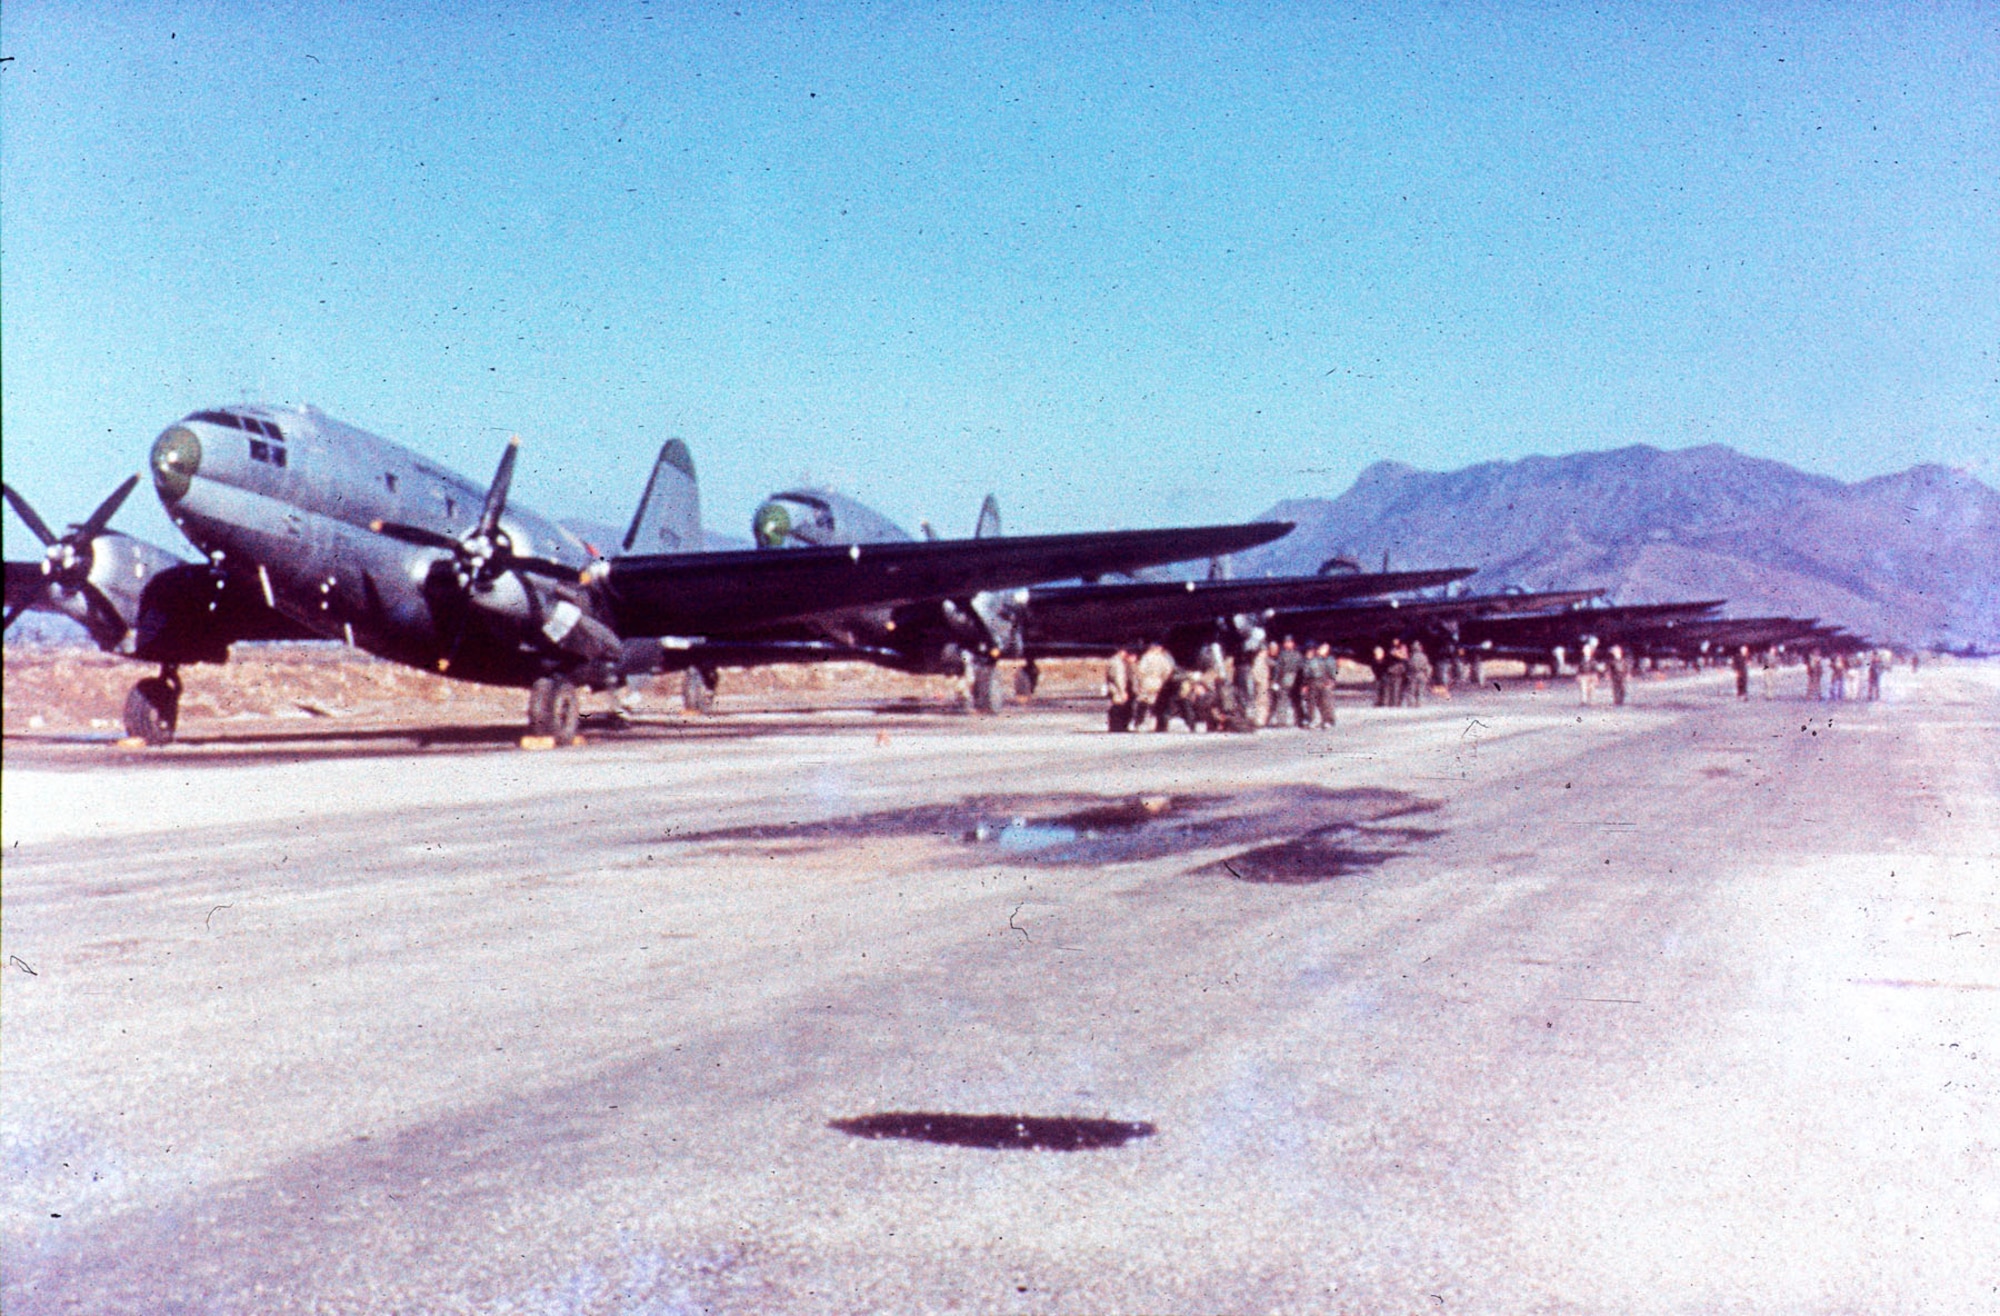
(1910, 557)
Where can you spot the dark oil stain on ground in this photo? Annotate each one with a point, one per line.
(1284, 834)
(995, 1132)
(1318, 856)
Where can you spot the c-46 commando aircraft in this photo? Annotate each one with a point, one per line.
(1094, 616)
(314, 528)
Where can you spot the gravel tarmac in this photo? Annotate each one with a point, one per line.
(1498, 1005)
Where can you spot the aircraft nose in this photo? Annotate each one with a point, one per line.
(176, 457)
(772, 525)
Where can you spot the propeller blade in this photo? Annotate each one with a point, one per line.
(414, 534)
(107, 509)
(35, 523)
(496, 497)
(541, 566)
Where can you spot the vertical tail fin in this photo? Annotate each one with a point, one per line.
(989, 519)
(669, 515)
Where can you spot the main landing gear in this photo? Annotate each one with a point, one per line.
(987, 694)
(553, 710)
(153, 708)
(698, 690)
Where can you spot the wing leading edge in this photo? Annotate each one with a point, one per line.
(704, 593)
(1127, 612)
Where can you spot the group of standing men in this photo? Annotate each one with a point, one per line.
(1402, 674)
(1612, 666)
(1276, 684)
(1826, 678)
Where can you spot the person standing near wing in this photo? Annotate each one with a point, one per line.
(1420, 673)
(1260, 684)
(1324, 680)
(1285, 674)
(1118, 691)
(1149, 685)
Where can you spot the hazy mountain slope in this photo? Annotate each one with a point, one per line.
(1913, 556)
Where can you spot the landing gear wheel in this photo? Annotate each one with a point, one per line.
(152, 710)
(987, 696)
(698, 690)
(553, 710)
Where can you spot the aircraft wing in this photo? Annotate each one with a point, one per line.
(1132, 612)
(1358, 623)
(706, 593)
(1542, 630)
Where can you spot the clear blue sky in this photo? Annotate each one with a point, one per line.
(1128, 265)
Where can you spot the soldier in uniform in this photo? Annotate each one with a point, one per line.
(1324, 684)
(1285, 674)
(1150, 679)
(1615, 667)
(1260, 684)
(1398, 673)
(1309, 674)
(1118, 690)
(1740, 660)
(1813, 676)
(1420, 673)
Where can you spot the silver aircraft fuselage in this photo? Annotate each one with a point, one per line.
(293, 499)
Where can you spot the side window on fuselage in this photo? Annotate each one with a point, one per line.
(267, 441)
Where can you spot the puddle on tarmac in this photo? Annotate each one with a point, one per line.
(995, 1132)
(1279, 834)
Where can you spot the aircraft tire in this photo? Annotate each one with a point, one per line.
(541, 707)
(987, 694)
(553, 709)
(565, 711)
(1026, 680)
(152, 709)
(698, 691)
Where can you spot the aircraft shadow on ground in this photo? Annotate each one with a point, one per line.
(995, 1132)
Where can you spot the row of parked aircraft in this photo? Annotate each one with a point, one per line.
(309, 528)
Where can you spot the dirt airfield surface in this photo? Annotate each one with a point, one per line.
(1496, 1005)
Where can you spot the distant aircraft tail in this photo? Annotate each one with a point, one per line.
(669, 515)
(989, 519)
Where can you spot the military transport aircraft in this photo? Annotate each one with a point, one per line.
(947, 636)
(1356, 629)
(311, 527)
